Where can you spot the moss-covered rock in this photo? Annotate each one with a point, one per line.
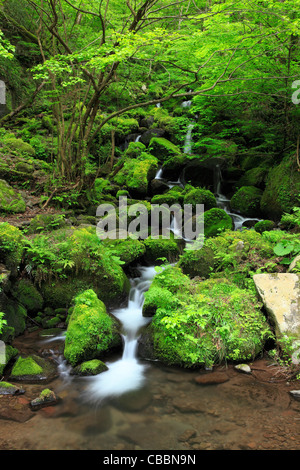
(136, 173)
(27, 295)
(19, 146)
(10, 200)
(12, 244)
(91, 332)
(158, 249)
(46, 223)
(282, 189)
(15, 316)
(264, 225)
(216, 220)
(10, 354)
(167, 153)
(246, 201)
(93, 367)
(202, 323)
(196, 196)
(127, 250)
(67, 262)
(9, 389)
(197, 262)
(33, 369)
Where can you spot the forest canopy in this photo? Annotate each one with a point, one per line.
(93, 61)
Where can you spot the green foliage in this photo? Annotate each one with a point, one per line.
(203, 323)
(2, 321)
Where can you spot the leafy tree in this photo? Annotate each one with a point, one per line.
(101, 60)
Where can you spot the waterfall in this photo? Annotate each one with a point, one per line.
(158, 175)
(126, 374)
(224, 203)
(188, 139)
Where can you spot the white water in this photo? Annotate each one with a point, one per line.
(224, 203)
(126, 374)
(159, 174)
(188, 139)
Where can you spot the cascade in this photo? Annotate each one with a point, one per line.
(127, 373)
(188, 139)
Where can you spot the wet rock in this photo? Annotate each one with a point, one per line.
(213, 378)
(189, 406)
(188, 434)
(243, 368)
(33, 369)
(295, 394)
(46, 398)
(15, 408)
(9, 389)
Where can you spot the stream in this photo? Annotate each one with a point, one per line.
(142, 405)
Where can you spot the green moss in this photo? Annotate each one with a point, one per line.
(246, 201)
(264, 225)
(215, 221)
(93, 367)
(127, 250)
(10, 200)
(204, 323)
(136, 173)
(196, 196)
(197, 262)
(12, 245)
(46, 223)
(67, 262)
(91, 331)
(19, 146)
(27, 294)
(10, 354)
(166, 152)
(157, 248)
(254, 177)
(26, 366)
(282, 189)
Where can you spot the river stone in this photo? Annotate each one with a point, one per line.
(295, 394)
(243, 368)
(280, 294)
(213, 378)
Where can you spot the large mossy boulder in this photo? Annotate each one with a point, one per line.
(160, 249)
(19, 146)
(33, 369)
(12, 244)
(200, 196)
(15, 316)
(282, 189)
(201, 323)
(197, 262)
(216, 220)
(11, 200)
(69, 261)
(246, 201)
(136, 173)
(27, 295)
(46, 223)
(91, 332)
(168, 154)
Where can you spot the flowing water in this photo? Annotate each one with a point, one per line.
(142, 405)
(126, 374)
